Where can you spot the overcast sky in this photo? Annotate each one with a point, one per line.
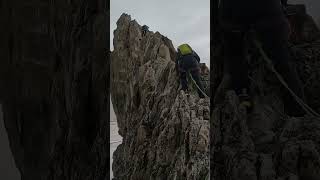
(182, 21)
(313, 7)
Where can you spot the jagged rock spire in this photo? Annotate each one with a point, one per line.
(165, 132)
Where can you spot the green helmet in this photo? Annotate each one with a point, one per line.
(185, 49)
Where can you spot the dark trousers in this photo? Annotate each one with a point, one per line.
(196, 76)
(273, 32)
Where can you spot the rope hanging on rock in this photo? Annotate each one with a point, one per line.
(304, 106)
(194, 82)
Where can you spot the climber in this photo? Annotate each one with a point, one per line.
(266, 17)
(145, 28)
(188, 62)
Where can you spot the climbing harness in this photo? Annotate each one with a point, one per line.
(194, 82)
(304, 106)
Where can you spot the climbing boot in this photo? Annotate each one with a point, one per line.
(201, 96)
(185, 91)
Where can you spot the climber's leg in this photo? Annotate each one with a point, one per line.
(183, 80)
(274, 37)
(235, 62)
(196, 76)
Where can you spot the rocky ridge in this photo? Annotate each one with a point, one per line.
(165, 131)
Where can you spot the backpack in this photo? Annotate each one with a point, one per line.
(185, 49)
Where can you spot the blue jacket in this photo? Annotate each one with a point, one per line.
(188, 62)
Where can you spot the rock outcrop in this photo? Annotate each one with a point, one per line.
(54, 84)
(266, 144)
(165, 132)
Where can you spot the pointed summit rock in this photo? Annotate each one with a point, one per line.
(165, 132)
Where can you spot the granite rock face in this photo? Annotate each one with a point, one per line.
(54, 84)
(165, 131)
(266, 144)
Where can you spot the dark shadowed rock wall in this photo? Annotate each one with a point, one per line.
(54, 84)
(266, 144)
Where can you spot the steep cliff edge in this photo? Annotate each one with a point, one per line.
(165, 132)
(266, 144)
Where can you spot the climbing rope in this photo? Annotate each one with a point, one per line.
(304, 106)
(194, 82)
